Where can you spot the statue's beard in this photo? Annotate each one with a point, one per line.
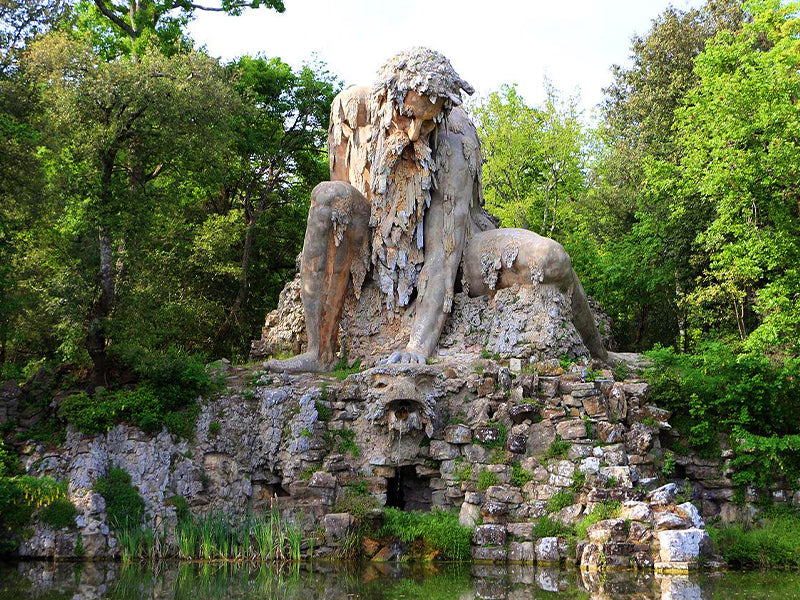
(401, 182)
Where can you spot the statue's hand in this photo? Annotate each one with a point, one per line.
(405, 357)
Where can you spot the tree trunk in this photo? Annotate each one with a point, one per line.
(244, 285)
(104, 303)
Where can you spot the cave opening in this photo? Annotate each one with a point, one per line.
(408, 491)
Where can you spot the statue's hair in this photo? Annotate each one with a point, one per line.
(424, 71)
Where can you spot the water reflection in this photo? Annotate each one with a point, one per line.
(329, 581)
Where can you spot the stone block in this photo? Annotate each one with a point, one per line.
(490, 535)
(521, 552)
(548, 387)
(521, 531)
(583, 390)
(515, 365)
(634, 511)
(517, 443)
(321, 479)
(540, 436)
(487, 435)
(573, 429)
(590, 465)
(441, 450)
(668, 520)
(489, 554)
(457, 434)
(679, 587)
(624, 475)
(521, 412)
(469, 515)
(504, 494)
(477, 454)
(608, 530)
(681, 545)
(547, 551)
(595, 407)
(337, 525)
(609, 433)
(664, 495)
(690, 514)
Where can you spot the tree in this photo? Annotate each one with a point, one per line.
(136, 20)
(283, 137)
(165, 107)
(740, 136)
(534, 159)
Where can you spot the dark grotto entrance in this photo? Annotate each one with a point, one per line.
(407, 490)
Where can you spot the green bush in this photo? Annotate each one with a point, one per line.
(547, 527)
(486, 480)
(20, 497)
(751, 398)
(602, 511)
(558, 449)
(772, 542)
(124, 505)
(165, 397)
(438, 530)
(561, 500)
(59, 513)
(519, 476)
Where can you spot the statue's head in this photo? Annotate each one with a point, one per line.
(418, 84)
(414, 91)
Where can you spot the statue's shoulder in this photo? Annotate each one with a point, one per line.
(458, 121)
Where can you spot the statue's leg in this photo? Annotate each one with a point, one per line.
(500, 258)
(336, 230)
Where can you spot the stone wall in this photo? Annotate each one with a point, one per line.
(501, 446)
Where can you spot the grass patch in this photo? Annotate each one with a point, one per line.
(519, 476)
(547, 527)
(772, 542)
(60, 513)
(558, 449)
(602, 511)
(561, 500)
(438, 531)
(343, 440)
(486, 479)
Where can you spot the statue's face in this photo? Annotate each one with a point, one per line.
(424, 113)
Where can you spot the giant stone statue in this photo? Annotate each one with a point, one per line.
(404, 206)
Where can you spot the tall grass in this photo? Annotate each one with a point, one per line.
(216, 537)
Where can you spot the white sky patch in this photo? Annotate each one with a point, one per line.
(489, 42)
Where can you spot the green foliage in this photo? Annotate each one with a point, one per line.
(166, 397)
(341, 371)
(578, 481)
(771, 542)
(486, 479)
(124, 505)
(463, 471)
(534, 159)
(604, 510)
(181, 507)
(668, 468)
(519, 476)
(500, 440)
(59, 513)
(561, 500)
(747, 396)
(547, 527)
(343, 440)
(439, 531)
(214, 428)
(323, 411)
(558, 449)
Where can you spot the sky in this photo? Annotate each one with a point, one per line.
(573, 43)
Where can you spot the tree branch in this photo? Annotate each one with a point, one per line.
(110, 14)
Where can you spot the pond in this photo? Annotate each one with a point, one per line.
(334, 581)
